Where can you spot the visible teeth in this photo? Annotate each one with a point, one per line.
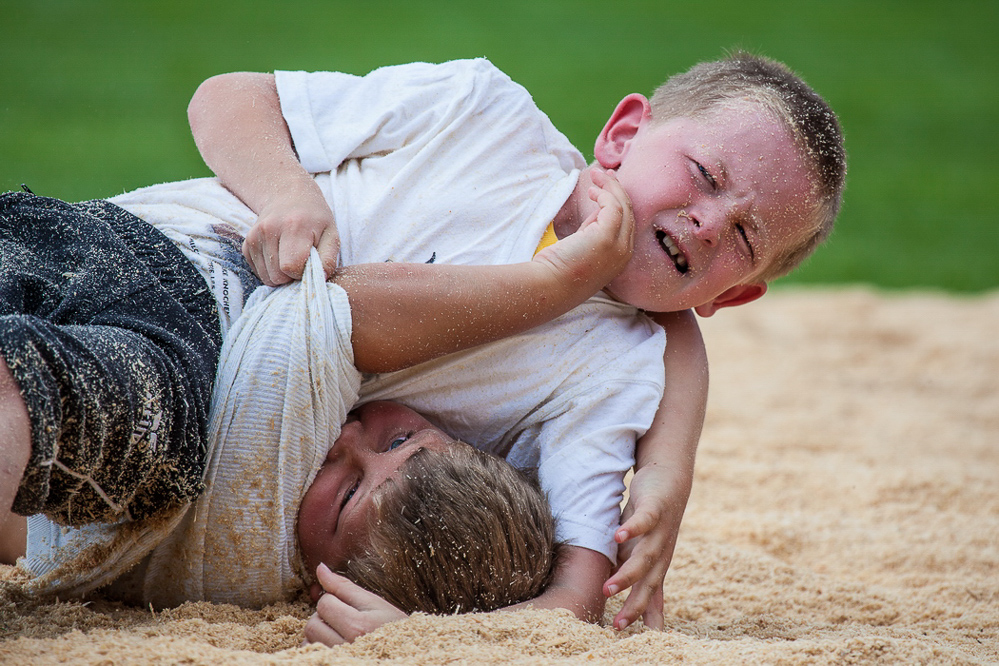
(674, 252)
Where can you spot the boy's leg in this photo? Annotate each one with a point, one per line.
(112, 340)
(13, 538)
(15, 440)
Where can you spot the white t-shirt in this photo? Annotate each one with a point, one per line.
(208, 224)
(454, 163)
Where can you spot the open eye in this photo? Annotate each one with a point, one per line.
(399, 441)
(350, 493)
(707, 175)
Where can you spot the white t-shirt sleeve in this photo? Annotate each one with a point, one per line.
(584, 452)
(333, 116)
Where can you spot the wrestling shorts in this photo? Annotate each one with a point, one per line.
(113, 339)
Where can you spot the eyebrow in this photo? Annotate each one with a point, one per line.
(401, 469)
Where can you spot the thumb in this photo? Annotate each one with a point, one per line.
(329, 252)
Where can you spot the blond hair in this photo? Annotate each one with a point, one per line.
(814, 126)
(458, 531)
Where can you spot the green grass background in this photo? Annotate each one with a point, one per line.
(93, 93)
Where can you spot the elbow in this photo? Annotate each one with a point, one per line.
(207, 91)
(219, 96)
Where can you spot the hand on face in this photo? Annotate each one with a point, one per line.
(715, 199)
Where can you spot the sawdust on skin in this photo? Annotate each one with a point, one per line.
(845, 510)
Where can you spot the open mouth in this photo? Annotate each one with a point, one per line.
(673, 251)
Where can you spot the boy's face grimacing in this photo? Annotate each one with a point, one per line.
(715, 200)
(375, 441)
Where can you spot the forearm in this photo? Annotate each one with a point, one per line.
(577, 585)
(238, 127)
(405, 314)
(672, 439)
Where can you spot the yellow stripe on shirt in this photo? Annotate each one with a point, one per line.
(547, 238)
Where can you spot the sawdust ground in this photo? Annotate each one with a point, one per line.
(845, 510)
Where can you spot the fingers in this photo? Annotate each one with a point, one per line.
(644, 571)
(647, 544)
(278, 245)
(640, 522)
(642, 600)
(346, 611)
(336, 620)
(643, 556)
(317, 631)
(645, 598)
(607, 182)
(346, 591)
(644, 559)
(276, 261)
(329, 251)
(654, 617)
(614, 206)
(600, 176)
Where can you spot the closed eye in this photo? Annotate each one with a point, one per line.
(707, 175)
(745, 239)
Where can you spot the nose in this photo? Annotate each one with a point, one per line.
(705, 224)
(351, 447)
(709, 219)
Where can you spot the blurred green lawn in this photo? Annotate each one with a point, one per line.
(93, 93)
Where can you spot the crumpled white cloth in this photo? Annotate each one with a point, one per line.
(285, 383)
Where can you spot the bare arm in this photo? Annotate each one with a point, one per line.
(577, 585)
(404, 314)
(238, 127)
(664, 473)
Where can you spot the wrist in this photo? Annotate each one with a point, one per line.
(568, 283)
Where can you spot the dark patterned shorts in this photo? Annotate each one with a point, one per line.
(113, 339)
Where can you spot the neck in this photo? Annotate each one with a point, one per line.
(576, 208)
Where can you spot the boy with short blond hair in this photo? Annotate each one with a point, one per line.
(454, 163)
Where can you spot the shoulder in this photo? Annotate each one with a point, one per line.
(478, 71)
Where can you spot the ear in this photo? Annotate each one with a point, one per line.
(612, 143)
(737, 295)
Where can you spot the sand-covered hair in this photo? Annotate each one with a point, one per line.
(458, 531)
(744, 76)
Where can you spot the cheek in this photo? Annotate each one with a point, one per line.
(314, 509)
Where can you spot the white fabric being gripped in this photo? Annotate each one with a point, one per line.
(285, 383)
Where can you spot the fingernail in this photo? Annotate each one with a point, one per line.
(612, 589)
(323, 567)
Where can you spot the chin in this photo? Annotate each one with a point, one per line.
(639, 300)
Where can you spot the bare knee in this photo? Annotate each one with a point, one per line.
(13, 538)
(15, 439)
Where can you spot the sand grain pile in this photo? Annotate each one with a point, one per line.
(845, 510)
